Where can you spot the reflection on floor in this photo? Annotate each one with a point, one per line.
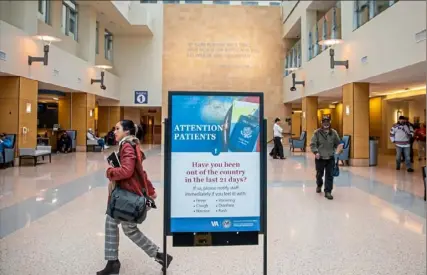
(52, 216)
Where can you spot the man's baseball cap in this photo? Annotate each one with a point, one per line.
(326, 119)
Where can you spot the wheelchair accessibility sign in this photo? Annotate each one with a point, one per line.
(141, 97)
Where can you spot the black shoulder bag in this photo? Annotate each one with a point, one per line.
(129, 207)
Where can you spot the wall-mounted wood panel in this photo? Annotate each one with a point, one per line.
(64, 111)
(28, 92)
(115, 116)
(9, 104)
(296, 124)
(356, 120)
(309, 110)
(103, 120)
(79, 117)
(91, 104)
(375, 120)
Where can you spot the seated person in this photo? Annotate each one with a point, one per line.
(5, 142)
(110, 138)
(101, 142)
(64, 143)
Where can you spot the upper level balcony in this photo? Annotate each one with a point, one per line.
(126, 17)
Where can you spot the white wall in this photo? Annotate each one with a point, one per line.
(388, 42)
(138, 60)
(64, 69)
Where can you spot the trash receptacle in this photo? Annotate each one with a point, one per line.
(373, 151)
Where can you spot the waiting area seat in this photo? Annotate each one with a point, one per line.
(93, 144)
(73, 135)
(299, 143)
(8, 156)
(344, 157)
(39, 151)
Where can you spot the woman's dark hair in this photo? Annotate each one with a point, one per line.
(128, 125)
(276, 120)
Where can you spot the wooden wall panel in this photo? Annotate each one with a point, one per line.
(361, 120)
(338, 117)
(348, 100)
(9, 104)
(28, 92)
(64, 111)
(115, 116)
(103, 120)
(309, 122)
(375, 120)
(90, 110)
(79, 118)
(296, 124)
(356, 123)
(254, 30)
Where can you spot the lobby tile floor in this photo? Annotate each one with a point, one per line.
(52, 216)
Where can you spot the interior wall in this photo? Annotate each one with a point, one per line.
(337, 119)
(64, 111)
(79, 119)
(104, 120)
(132, 113)
(108, 116)
(385, 55)
(255, 31)
(28, 93)
(138, 59)
(309, 115)
(9, 101)
(375, 120)
(64, 69)
(90, 111)
(296, 124)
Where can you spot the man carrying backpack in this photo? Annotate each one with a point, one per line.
(323, 144)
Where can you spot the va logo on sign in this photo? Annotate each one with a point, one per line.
(215, 223)
(141, 97)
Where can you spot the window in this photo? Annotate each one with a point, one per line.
(193, 2)
(97, 38)
(148, 2)
(108, 45)
(69, 18)
(44, 10)
(367, 9)
(221, 2)
(250, 3)
(275, 3)
(171, 2)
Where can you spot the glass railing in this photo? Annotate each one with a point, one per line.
(293, 58)
(368, 9)
(328, 27)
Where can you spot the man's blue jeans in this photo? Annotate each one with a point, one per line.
(406, 151)
(101, 143)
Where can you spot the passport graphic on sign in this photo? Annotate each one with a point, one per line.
(245, 127)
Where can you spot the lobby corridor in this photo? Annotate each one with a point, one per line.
(52, 216)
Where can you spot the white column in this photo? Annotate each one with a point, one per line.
(87, 34)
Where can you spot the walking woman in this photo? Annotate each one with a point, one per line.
(128, 176)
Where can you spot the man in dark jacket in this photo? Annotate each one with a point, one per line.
(323, 144)
(64, 143)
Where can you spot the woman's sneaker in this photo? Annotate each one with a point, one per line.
(112, 268)
(159, 258)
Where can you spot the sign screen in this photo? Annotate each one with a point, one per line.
(215, 162)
